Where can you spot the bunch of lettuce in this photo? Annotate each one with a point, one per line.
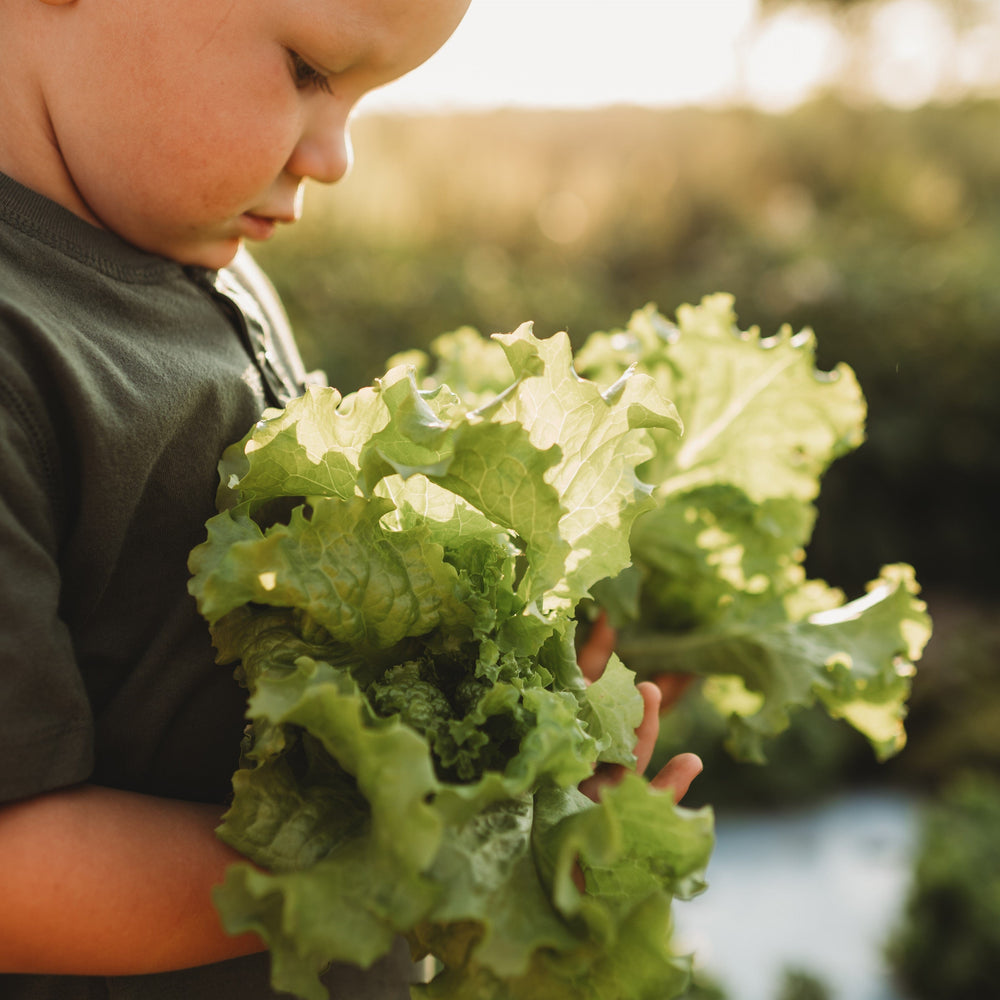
(396, 575)
(716, 585)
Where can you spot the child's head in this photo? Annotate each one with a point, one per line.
(187, 125)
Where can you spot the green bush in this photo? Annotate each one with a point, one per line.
(797, 984)
(954, 720)
(948, 946)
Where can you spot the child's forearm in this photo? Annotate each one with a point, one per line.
(96, 881)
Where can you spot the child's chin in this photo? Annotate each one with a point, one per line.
(212, 256)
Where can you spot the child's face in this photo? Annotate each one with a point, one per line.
(186, 126)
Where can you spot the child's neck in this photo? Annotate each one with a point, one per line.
(29, 151)
(51, 181)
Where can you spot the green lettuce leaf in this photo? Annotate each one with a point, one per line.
(857, 659)
(395, 576)
(757, 414)
(637, 852)
(716, 584)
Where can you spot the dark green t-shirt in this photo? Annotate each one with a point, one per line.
(123, 376)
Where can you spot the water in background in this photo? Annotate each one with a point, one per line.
(814, 890)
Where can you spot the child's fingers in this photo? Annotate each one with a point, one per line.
(604, 775)
(645, 744)
(677, 774)
(649, 728)
(595, 652)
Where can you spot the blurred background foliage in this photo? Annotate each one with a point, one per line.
(878, 228)
(948, 945)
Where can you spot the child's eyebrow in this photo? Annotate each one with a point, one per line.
(357, 39)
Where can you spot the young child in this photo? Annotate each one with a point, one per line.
(140, 143)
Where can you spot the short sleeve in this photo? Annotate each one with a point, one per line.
(46, 729)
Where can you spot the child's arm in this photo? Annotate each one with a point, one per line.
(96, 881)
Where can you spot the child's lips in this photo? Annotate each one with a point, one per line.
(258, 227)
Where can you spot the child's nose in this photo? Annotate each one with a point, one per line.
(323, 154)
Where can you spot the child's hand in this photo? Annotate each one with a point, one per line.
(658, 695)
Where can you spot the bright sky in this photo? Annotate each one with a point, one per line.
(573, 53)
(579, 53)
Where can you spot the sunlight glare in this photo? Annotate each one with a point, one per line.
(670, 53)
(976, 62)
(793, 54)
(913, 42)
(580, 53)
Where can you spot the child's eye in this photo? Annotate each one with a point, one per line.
(307, 76)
